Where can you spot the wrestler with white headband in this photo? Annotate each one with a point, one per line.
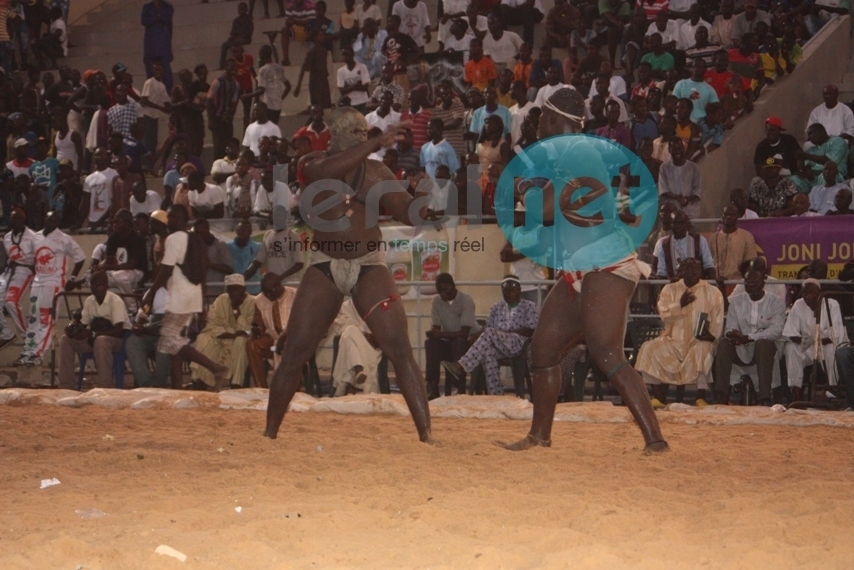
(584, 306)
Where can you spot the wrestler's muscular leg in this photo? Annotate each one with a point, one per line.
(604, 300)
(315, 307)
(391, 332)
(559, 326)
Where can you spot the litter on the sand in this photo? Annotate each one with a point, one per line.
(49, 483)
(169, 551)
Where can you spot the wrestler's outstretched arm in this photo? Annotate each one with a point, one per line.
(321, 165)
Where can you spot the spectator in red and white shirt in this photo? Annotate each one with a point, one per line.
(316, 131)
(22, 161)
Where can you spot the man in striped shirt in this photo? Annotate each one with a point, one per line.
(418, 118)
(221, 104)
(298, 14)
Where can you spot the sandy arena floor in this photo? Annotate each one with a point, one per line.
(360, 491)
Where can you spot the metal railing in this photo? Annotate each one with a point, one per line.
(421, 311)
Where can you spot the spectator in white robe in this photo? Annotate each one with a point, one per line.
(800, 332)
(680, 356)
(358, 357)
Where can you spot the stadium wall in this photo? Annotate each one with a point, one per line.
(825, 60)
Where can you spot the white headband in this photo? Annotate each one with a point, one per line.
(549, 105)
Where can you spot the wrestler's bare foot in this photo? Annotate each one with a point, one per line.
(427, 437)
(656, 447)
(221, 376)
(527, 443)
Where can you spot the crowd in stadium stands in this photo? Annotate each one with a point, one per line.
(663, 78)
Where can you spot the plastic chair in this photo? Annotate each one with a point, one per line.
(519, 368)
(118, 365)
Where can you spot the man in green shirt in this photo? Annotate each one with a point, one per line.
(660, 60)
(811, 162)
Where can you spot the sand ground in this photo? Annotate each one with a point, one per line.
(361, 492)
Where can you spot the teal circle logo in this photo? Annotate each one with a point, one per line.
(576, 202)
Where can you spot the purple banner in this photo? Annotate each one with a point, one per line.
(790, 243)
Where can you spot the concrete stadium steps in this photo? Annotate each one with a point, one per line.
(113, 33)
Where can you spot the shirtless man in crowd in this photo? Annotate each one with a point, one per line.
(346, 260)
(584, 306)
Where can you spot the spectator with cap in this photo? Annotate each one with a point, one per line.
(157, 19)
(837, 119)
(511, 322)
(776, 143)
(223, 340)
(19, 129)
(120, 77)
(770, 193)
(22, 162)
